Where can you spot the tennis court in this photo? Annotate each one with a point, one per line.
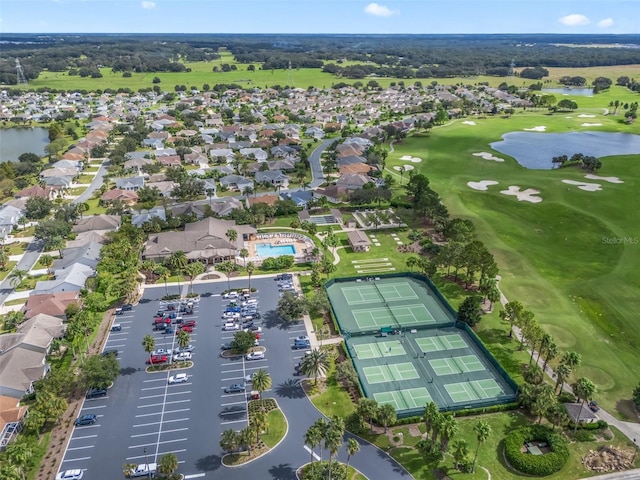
(409, 399)
(390, 373)
(389, 348)
(455, 365)
(372, 318)
(374, 293)
(439, 343)
(474, 390)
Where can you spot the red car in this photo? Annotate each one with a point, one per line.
(187, 328)
(157, 320)
(157, 359)
(189, 323)
(257, 336)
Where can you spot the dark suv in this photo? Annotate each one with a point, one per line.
(113, 352)
(96, 392)
(88, 419)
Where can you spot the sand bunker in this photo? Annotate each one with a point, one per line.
(585, 115)
(482, 185)
(587, 187)
(528, 195)
(591, 124)
(591, 176)
(468, 122)
(539, 128)
(406, 168)
(409, 158)
(488, 156)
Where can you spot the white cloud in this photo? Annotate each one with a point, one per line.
(605, 23)
(574, 20)
(378, 10)
(148, 5)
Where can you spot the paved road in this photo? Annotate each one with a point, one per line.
(628, 475)
(317, 175)
(95, 184)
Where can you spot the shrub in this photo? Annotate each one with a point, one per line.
(354, 424)
(583, 436)
(540, 465)
(566, 397)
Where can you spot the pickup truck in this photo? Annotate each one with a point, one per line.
(145, 470)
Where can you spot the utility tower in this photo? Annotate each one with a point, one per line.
(22, 80)
(290, 75)
(512, 68)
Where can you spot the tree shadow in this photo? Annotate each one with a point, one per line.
(283, 472)
(237, 412)
(290, 388)
(271, 319)
(397, 468)
(128, 371)
(209, 463)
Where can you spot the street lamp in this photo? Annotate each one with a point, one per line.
(146, 459)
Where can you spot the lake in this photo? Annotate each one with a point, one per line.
(16, 141)
(584, 92)
(536, 150)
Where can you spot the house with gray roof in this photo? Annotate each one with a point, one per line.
(236, 182)
(224, 207)
(96, 223)
(140, 218)
(274, 177)
(130, 183)
(88, 255)
(71, 279)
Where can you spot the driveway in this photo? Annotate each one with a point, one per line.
(317, 175)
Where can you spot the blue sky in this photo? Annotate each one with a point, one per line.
(320, 16)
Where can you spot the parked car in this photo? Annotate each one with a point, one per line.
(251, 301)
(160, 351)
(230, 326)
(233, 308)
(168, 330)
(254, 356)
(160, 326)
(189, 323)
(70, 475)
(284, 276)
(302, 338)
(593, 405)
(116, 327)
(178, 378)
(96, 392)
(226, 346)
(187, 328)
(249, 378)
(162, 319)
(232, 294)
(235, 388)
(145, 470)
(111, 351)
(156, 359)
(88, 419)
(127, 307)
(228, 315)
(182, 356)
(253, 328)
(188, 348)
(301, 345)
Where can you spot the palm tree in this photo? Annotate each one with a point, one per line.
(448, 430)
(402, 169)
(164, 274)
(544, 401)
(261, 381)
(17, 276)
(245, 437)
(315, 364)
(259, 422)
(4, 258)
(168, 464)
(194, 269)
(227, 268)
(353, 447)
(82, 207)
(551, 353)
(584, 390)
(56, 243)
(232, 235)
(333, 438)
(46, 261)
(313, 438)
(429, 415)
(460, 452)
(244, 253)
(572, 359)
(183, 338)
(128, 469)
(322, 426)
(367, 409)
(177, 262)
(230, 440)
(386, 415)
(483, 430)
(250, 267)
(19, 454)
(562, 372)
(148, 343)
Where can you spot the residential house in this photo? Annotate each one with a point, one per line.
(130, 183)
(97, 236)
(300, 197)
(38, 191)
(224, 207)
(11, 416)
(203, 241)
(580, 413)
(97, 223)
(140, 218)
(127, 197)
(222, 155)
(274, 177)
(23, 354)
(314, 132)
(9, 216)
(54, 304)
(359, 241)
(236, 182)
(197, 158)
(352, 181)
(189, 208)
(88, 255)
(266, 199)
(71, 279)
(59, 172)
(256, 154)
(170, 160)
(165, 188)
(137, 163)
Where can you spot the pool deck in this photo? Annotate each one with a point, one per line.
(302, 245)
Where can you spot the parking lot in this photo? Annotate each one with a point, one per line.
(143, 417)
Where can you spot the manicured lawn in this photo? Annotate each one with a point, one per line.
(552, 255)
(16, 248)
(7, 270)
(19, 301)
(277, 428)
(28, 232)
(333, 400)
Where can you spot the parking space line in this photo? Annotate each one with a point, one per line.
(81, 438)
(160, 453)
(154, 443)
(75, 459)
(155, 380)
(166, 412)
(158, 423)
(165, 395)
(232, 403)
(233, 421)
(166, 403)
(155, 433)
(116, 346)
(94, 406)
(80, 448)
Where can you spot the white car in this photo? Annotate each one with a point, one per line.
(252, 301)
(234, 315)
(70, 475)
(160, 351)
(179, 378)
(145, 470)
(230, 326)
(255, 356)
(232, 294)
(188, 348)
(253, 329)
(181, 356)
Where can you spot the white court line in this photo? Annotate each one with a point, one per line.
(116, 346)
(194, 475)
(230, 403)
(155, 380)
(370, 260)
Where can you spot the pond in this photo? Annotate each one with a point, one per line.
(536, 150)
(582, 92)
(16, 141)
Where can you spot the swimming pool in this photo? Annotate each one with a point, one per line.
(268, 250)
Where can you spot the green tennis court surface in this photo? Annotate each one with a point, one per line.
(404, 399)
(390, 348)
(374, 293)
(407, 315)
(451, 365)
(441, 342)
(473, 390)
(390, 373)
